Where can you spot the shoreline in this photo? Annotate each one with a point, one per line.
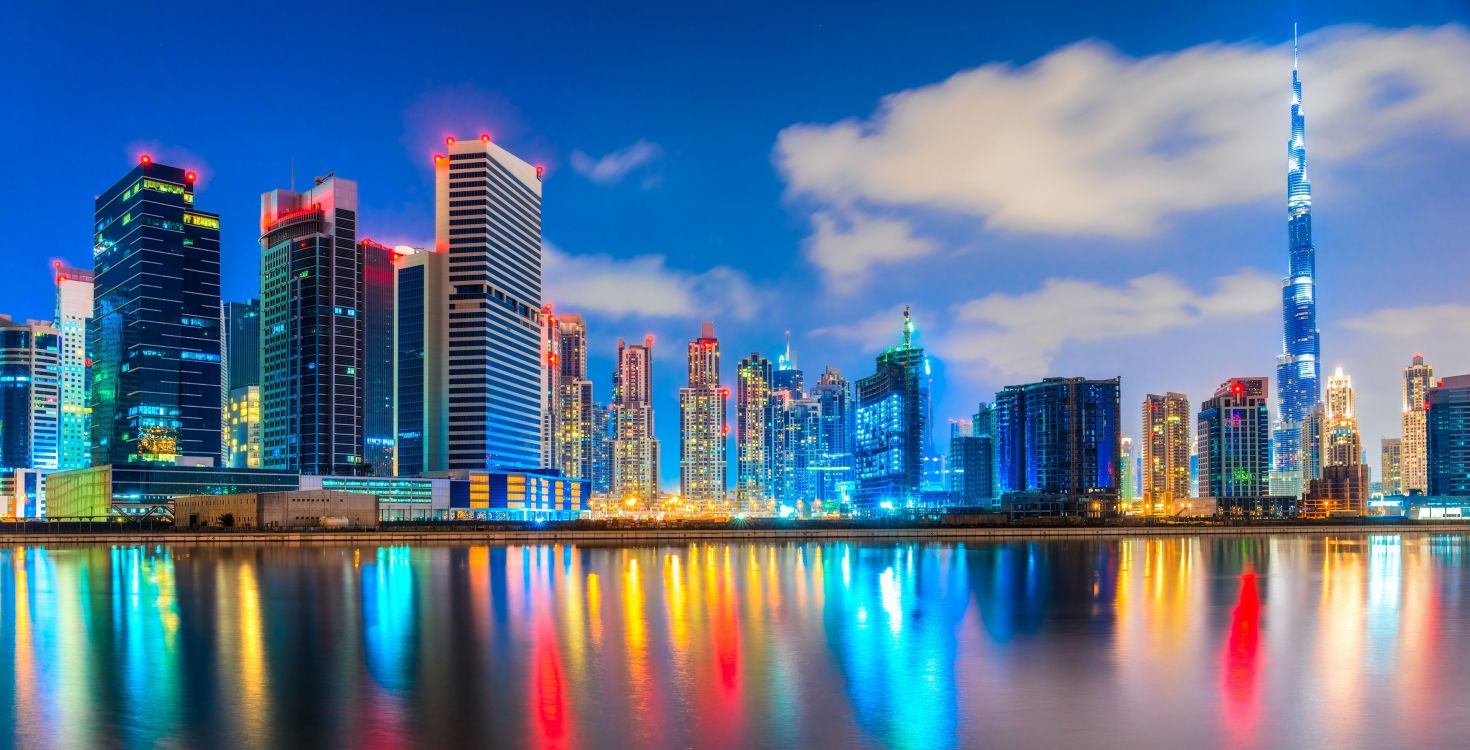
(653, 536)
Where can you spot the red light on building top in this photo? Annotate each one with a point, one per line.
(60, 277)
(725, 430)
(540, 170)
(145, 159)
(190, 176)
(449, 141)
(484, 137)
(438, 158)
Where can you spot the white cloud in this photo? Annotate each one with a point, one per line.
(611, 168)
(1416, 324)
(845, 244)
(644, 286)
(1020, 334)
(875, 332)
(1087, 140)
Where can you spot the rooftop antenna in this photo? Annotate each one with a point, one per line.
(1295, 48)
(908, 327)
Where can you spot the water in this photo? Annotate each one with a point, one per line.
(1293, 641)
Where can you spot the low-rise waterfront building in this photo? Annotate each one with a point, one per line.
(278, 511)
(150, 489)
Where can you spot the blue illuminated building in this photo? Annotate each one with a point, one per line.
(154, 337)
(1298, 368)
(1058, 446)
(889, 443)
(377, 360)
(1448, 437)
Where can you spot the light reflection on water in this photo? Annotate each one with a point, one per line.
(1243, 641)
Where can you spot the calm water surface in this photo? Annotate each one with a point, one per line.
(1296, 641)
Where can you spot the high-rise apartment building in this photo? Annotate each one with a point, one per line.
(30, 419)
(891, 411)
(834, 395)
(795, 425)
(73, 311)
(1342, 444)
(1298, 369)
(703, 424)
(421, 381)
(634, 448)
(1447, 434)
(970, 462)
(1235, 441)
(1166, 446)
(1391, 454)
(488, 219)
(753, 459)
(1059, 441)
(1337, 478)
(1128, 481)
(240, 438)
(242, 428)
(311, 311)
(377, 358)
(983, 424)
(1418, 377)
(603, 431)
(576, 419)
(154, 337)
(550, 388)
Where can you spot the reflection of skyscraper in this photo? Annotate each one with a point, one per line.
(1165, 451)
(73, 310)
(753, 388)
(1298, 367)
(154, 337)
(634, 449)
(311, 305)
(890, 427)
(702, 423)
(1418, 377)
(1447, 436)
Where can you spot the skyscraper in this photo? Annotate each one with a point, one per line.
(240, 425)
(30, 388)
(242, 428)
(1235, 442)
(702, 424)
(311, 311)
(421, 382)
(1447, 433)
(796, 455)
(1298, 367)
(1342, 443)
(1127, 481)
(488, 219)
(1166, 446)
(154, 337)
(377, 358)
(889, 444)
(73, 311)
(753, 389)
(576, 421)
(1331, 441)
(242, 344)
(1418, 377)
(970, 462)
(1392, 459)
(550, 388)
(833, 393)
(1060, 444)
(634, 449)
(604, 429)
(785, 376)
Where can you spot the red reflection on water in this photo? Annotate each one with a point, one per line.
(1241, 659)
(551, 698)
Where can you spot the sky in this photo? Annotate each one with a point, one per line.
(1055, 188)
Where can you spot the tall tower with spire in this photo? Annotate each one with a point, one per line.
(890, 427)
(1298, 369)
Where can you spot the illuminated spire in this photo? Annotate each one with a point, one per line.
(908, 328)
(1295, 49)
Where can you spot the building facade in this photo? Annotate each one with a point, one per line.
(1234, 441)
(377, 315)
(1391, 457)
(970, 461)
(576, 411)
(154, 337)
(890, 428)
(1418, 378)
(242, 429)
(488, 220)
(1061, 446)
(703, 425)
(1447, 436)
(311, 311)
(833, 394)
(421, 382)
(30, 417)
(1166, 446)
(73, 311)
(753, 388)
(1298, 369)
(635, 447)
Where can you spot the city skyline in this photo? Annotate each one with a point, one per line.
(1222, 333)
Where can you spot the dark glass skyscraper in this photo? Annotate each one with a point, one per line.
(154, 336)
(834, 394)
(1060, 446)
(1298, 369)
(311, 311)
(242, 344)
(377, 358)
(1448, 437)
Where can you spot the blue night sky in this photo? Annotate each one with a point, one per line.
(1058, 188)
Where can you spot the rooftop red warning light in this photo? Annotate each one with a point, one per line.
(484, 137)
(540, 170)
(190, 176)
(449, 140)
(145, 159)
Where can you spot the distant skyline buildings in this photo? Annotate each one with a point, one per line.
(703, 424)
(635, 448)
